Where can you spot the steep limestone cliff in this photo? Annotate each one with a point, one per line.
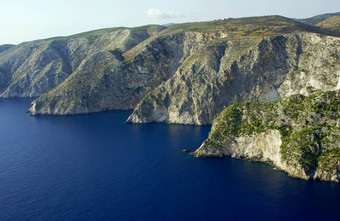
(33, 68)
(107, 82)
(160, 57)
(202, 67)
(299, 135)
(217, 71)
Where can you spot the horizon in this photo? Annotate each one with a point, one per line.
(35, 20)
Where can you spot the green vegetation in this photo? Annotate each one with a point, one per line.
(329, 159)
(157, 97)
(252, 26)
(332, 23)
(318, 18)
(241, 28)
(309, 127)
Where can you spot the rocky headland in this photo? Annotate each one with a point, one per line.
(299, 135)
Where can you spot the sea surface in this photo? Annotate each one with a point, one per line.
(95, 167)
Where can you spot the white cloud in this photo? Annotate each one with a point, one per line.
(158, 14)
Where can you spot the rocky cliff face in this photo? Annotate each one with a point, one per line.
(186, 73)
(198, 58)
(299, 135)
(33, 68)
(216, 71)
(108, 82)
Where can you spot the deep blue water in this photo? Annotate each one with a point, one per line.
(95, 167)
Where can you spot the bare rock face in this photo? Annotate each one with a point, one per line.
(299, 135)
(106, 81)
(34, 68)
(184, 74)
(216, 71)
(47, 66)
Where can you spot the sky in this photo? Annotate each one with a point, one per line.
(27, 20)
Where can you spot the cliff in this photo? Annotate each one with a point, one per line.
(201, 55)
(33, 68)
(217, 70)
(185, 73)
(299, 135)
(108, 82)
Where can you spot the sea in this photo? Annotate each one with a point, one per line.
(96, 167)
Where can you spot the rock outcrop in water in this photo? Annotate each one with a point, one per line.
(299, 135)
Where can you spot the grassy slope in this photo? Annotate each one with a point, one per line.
(250, 27)
(318, 18)
(332, 23)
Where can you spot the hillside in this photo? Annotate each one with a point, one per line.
(33, 68)
(249, 27)
(5, 47)
(219, 73)
(332, 23)
(107, 82)
(201, 53)
(318, 18)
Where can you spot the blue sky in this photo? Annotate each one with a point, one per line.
(26, 20)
